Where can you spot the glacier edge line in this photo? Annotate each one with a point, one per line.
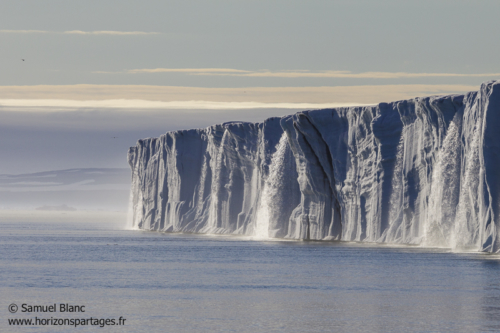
(420, 171)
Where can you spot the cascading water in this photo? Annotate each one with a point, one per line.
(277, 201)
(262, 219)
(396, 233)
(465, 235)
(445, 190)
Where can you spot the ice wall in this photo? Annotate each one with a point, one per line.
(422, 171)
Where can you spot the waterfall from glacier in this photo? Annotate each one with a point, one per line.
(262, 219)
(397, 231)
(466, 233)
(270, 188)
(445, 190)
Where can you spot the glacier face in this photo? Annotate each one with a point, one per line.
(422, 171)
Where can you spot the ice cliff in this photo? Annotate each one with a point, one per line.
(421, 171)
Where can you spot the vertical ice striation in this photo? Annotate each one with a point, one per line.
(421, 171)
(207, 180)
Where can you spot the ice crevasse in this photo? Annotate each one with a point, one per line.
(420, 171)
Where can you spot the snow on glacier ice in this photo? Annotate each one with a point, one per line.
(421, 171)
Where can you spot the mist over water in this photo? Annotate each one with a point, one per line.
(191, 283)
(77, 189)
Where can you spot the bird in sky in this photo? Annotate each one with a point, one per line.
(22, 59)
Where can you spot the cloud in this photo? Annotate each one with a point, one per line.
(29, 104)
(107, 32)
(347, 74)
(366, 94)
(303, 73)
(80, 32)
(24, 32)
(193, 71)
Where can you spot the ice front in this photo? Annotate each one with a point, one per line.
(421, 171)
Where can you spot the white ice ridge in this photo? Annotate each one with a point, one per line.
(421, 171)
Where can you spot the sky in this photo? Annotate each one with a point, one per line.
(81, 81)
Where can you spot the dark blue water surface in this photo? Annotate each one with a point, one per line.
(194, 283)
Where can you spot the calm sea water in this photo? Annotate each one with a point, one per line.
(191, 283)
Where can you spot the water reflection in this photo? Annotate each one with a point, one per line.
(490, 307)
(190, 283)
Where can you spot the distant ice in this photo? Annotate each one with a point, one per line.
(60, 208)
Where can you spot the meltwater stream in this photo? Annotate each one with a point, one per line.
(198, 283)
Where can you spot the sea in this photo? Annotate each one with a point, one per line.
(118, 280)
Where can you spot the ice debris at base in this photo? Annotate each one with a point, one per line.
(421, 171)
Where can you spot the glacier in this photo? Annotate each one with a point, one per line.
(424, 171)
